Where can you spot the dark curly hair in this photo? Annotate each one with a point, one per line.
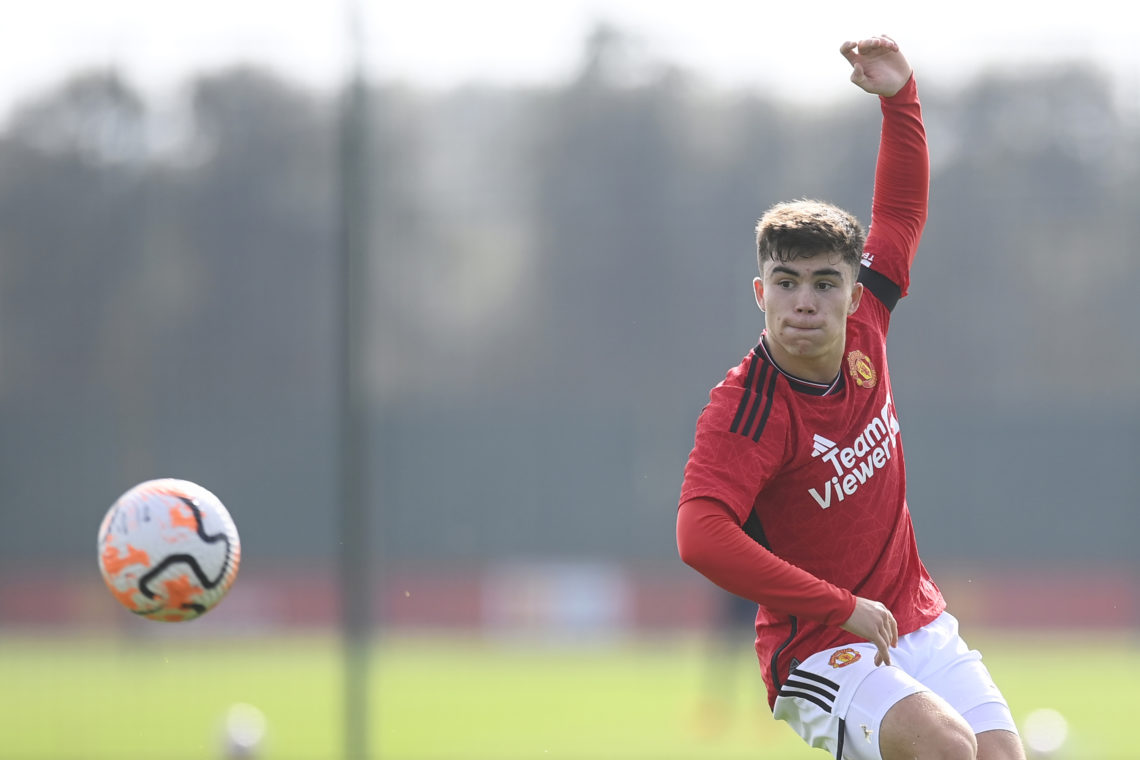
(805, 228)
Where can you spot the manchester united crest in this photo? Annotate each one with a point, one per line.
(862, 370)
(842, 657)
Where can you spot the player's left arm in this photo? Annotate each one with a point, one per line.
(902, 172)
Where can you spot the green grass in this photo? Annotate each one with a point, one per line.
(437, 698)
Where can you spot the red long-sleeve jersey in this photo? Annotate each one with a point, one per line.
(794, 494)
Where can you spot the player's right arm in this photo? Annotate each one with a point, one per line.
(735, 453)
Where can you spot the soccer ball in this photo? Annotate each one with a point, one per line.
(168, 550)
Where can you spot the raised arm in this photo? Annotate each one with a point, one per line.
(902, 173)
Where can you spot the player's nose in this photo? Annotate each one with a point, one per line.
(805, 304)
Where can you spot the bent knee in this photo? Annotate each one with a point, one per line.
(924, 725)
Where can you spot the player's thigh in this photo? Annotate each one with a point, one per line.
(925, 725)
(1000, 745)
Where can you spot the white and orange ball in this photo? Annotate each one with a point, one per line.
(169, 550)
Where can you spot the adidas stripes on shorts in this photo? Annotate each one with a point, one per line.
(836, 699)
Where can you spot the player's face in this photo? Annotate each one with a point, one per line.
(806, 303)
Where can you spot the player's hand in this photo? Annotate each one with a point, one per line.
(877, 65)
(872, 621)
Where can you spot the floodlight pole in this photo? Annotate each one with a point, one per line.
(355, 577)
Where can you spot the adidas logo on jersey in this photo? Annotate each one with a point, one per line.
(822, 446)
(856, 464)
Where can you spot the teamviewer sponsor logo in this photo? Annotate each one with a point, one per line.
(856, 464)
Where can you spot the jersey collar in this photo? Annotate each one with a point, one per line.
(799, 384)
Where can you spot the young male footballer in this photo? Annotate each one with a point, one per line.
(794, 494)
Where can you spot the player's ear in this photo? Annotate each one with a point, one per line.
(856, 297)
(758, 289)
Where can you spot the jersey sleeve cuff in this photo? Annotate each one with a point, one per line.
(908, 93)
(842, 613)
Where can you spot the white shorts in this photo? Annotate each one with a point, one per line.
(836, 699)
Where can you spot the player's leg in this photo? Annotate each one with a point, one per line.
(924, 725)
(1000, 745)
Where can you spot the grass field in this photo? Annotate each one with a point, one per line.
(440, 698)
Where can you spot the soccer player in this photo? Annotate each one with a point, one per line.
(794, 495)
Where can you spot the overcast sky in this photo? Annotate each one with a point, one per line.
(788, 48)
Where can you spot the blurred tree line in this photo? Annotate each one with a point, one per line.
(558, 276)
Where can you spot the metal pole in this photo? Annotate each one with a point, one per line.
(355, 576)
